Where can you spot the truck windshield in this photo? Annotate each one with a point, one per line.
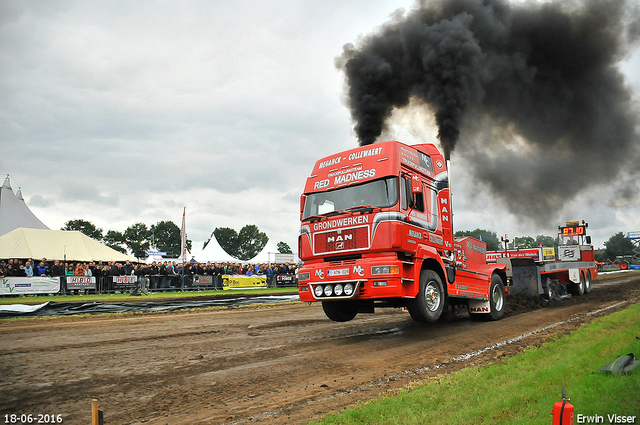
(381, 193)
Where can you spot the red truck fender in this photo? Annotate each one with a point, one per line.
(427, 257)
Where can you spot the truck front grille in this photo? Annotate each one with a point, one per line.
(341, 240)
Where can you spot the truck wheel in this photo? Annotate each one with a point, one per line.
(587, 283)
(547, 289)
(340, 311)
(428, 305)
(497, 300)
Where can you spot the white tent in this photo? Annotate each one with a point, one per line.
(213, 252)
(14, 212)
(56, 245)
(267, 255)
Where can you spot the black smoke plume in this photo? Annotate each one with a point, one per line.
(530, 94)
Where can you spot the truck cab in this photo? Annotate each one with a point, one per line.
(376, 231)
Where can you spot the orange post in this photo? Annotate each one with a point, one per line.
(95, 415)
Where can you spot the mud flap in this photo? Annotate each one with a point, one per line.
(574, 275)
(451, 274)
(479, 306)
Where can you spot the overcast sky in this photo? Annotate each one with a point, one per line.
(125, 112)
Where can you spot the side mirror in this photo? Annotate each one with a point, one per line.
(303, 199)
(588, 239)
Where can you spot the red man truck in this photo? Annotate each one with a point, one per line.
(376, 231)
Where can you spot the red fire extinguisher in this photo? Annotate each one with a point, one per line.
(563, 411)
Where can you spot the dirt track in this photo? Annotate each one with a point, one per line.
(272, 364)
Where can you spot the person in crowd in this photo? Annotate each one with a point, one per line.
(188, 271)
(70, 270)
(162, 272)
(43, 268)
(28, 269)
(152, 273)
(143, 281)
(216, 272)
(171, 274)
(178, 269)
(79, 271)
(113, 269)
(87, 270)
(57, 269)
(21, 271)
(95, 268)
(8, 269)
(128, 268)
(172, 277)
(207, 269)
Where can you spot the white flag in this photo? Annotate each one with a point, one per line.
(183, 237)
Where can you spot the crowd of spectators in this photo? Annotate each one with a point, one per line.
(159, 273)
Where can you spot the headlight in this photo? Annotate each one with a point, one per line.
(304, 276)
(328, 290)
(385, 270)
(348, 289)
(318, 290)
(337, 290)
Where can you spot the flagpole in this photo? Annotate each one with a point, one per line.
(183, 237)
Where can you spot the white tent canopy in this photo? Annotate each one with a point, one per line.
(267, 255)
(56, 245)
(213, 252)
(14, 212)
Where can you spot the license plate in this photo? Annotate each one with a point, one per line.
(338, 272)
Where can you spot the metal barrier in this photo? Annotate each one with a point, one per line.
(158, 283)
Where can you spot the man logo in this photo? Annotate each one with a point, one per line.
(340, 245)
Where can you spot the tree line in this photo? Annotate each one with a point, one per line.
(164, 236)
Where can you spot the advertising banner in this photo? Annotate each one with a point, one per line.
(286, 280)
(199, 280)
(124, 282)
(29, 285)
(81, 282)
(284, 258)
(243, 282)
(569, 253)
(534, 253)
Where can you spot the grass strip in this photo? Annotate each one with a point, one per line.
(39, 299)
(522, 389)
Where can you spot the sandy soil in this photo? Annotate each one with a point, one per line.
(275, 364)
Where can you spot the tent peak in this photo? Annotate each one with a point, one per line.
(19, 194)
(7, 183)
